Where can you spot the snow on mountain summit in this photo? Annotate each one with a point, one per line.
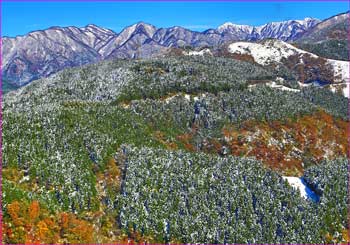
(59, 47)
(228, 26)
(283, 30)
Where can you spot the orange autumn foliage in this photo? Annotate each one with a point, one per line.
(13, 210)
(160, 136)
(31, 239)
(110, 178)
(287, 145)
(42, 229)
(30, 224)
(34, 210)
(345, 238)
(346, 235)
(282, 145)
(12, 174)
(112, 170)
(64, 220)
(76, 230)
(135, 237)
(187, 138)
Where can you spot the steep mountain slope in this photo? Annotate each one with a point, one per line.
(329, 38)
(7, 87)
(330, 49)
(232, 31)
(129, 39)
(41, 53)
(336, 27)
(284, 30)
(181, 37)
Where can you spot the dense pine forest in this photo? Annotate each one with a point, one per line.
(174, 150)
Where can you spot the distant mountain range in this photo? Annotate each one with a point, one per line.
(336, 27)
(44, 52)
(329, 38)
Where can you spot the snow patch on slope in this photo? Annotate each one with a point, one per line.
(273, 84)
(187, 97)
(299, 184)
(345, 88)
(267, 52)
(281, 87)
(201, 53)
(275, 50)
(341, 69)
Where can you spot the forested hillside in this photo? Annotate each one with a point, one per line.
(178, 149)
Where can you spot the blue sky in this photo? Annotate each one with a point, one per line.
(19, 18)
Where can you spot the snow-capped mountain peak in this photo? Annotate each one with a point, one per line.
(97, 30)
(308, 22)
(147, 29)
(92, 43)
(284, 30)
(228, 26)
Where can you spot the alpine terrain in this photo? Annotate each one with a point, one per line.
(41, 53)
(165, 135)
